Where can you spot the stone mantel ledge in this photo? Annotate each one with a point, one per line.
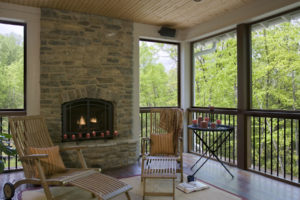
(91, 144)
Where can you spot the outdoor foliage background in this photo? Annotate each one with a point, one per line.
(275, 86)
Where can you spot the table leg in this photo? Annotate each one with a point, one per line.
(212, 152)
(207, 149)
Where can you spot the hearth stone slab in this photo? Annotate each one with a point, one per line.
(110, 154)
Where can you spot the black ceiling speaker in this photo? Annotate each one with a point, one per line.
(165, 31)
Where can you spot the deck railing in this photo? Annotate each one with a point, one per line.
(275, 144)
(274, 140)
(227, 152)
(11, 162)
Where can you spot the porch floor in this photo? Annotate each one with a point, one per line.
(246, 184)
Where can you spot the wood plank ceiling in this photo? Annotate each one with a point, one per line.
(177, 14)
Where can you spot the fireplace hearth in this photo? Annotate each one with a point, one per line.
(87, 119)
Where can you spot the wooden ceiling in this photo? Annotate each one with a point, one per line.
(172, 13)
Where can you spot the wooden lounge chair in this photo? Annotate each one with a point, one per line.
(30, 133)
(165, 122)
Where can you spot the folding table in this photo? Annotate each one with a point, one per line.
(224, 134)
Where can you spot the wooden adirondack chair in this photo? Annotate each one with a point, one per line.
(31, 132)
(166, 122)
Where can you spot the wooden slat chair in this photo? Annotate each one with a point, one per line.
(156, 130)
(31, 131)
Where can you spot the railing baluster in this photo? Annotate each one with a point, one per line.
(233, 150)
(259, 143)
(146, 131)
(284, 148)
(142, 127)
(298, 151)
(271, 145)
(265, 145)
(224, 144)
(292, 149)
(277, 146)
(8, 157)
(1, 129)
(253, 136)
(229, 140)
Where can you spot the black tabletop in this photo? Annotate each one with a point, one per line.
(218, 128)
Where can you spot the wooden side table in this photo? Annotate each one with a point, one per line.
(159, 168)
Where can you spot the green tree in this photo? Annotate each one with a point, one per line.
(158, 83)
(11, 72)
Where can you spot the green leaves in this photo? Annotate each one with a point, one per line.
(11, 72)
(158, 74)
(5, 148)
(276, 67)
(216, 74)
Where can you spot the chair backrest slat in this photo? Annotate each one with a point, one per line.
(155, 124)
(29, 131)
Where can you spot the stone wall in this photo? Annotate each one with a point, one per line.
(88, 56)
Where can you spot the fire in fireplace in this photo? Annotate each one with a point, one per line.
(87, 119)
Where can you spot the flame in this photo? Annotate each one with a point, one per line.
(93, 120)
(82, 121)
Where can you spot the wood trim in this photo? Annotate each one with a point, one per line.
(178, 68)
(216, 110)
(192, 60)
(17, 111)
(190, 133)
(244, 95)
(192, 74)
(148, 109)
(283, 114)
(12, 113)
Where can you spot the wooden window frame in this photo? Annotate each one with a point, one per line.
(178, 71)
(192, 67)
(6, 112)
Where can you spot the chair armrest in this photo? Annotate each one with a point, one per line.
(34, 157)
(72, 148)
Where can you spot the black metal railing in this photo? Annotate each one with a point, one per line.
(227, 152)
(11, 162)
(275, 144)
(145, 125)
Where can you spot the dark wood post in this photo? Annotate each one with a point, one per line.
(244, 95)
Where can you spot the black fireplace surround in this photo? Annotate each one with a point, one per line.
(87, 119)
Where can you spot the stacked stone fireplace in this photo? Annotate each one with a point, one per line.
(88, 57)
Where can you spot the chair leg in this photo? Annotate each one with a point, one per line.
(127, 195)
(43, 180)
(144, 188)
(181, 174)
(47, 191)
(173, 189)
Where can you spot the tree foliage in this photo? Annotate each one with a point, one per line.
(215, 73)
(158, 82)
(11, 72)
(275, 80)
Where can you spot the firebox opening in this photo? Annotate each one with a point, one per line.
(86, 119)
